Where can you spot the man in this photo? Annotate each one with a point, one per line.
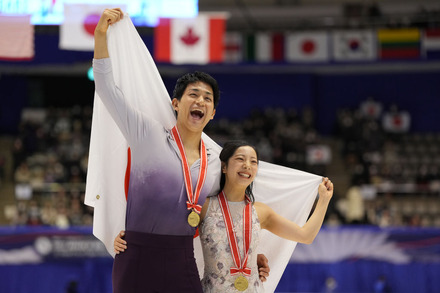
(171, 174)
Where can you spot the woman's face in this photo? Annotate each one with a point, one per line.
(242, 167)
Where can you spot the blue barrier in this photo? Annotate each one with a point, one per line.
(345, 259)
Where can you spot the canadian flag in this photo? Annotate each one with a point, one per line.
(77, 29)
(196, 40)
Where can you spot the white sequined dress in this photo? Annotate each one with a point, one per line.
(217, 253)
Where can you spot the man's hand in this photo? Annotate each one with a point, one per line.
(263, 267)
(108, 17)
(119, 244)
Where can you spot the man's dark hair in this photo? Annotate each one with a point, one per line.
(190, 78)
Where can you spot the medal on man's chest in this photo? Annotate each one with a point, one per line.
(193, 219)
(193, 197)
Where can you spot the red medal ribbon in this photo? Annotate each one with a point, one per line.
(240, 266)
(193, 198)
(196, 207)
(244, 271)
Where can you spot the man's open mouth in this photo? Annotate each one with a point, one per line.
(196, 113)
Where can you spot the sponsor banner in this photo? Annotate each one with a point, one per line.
(392, 245)
(35, 245)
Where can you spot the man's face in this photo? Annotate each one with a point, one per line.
(196, 107)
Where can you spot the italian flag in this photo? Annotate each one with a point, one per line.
(196, 40)
(264, 47)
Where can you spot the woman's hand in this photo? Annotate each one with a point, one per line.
(325, 189)
(120, 245)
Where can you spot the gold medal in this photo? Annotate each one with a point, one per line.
(241, 283)
(193, 219)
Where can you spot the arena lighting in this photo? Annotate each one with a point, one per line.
(142, 12)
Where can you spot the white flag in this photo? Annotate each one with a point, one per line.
(398, 122)
(307, 47)
(318, 154)
(77, 29)
(354, 45)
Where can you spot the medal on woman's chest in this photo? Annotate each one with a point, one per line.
(240, 283)
(193, 197)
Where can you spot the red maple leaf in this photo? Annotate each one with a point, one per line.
(189, 38)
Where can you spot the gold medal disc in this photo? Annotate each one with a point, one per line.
(193, 219)
(241, 283)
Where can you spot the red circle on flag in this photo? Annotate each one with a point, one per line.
(308, 46)
(90, 23)
(354, 44)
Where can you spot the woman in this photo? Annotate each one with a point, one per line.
(230, 224)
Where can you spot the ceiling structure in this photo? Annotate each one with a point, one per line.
(253, 15)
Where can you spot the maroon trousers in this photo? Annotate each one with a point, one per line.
(156, 263)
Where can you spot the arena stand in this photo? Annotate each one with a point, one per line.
(372, 127)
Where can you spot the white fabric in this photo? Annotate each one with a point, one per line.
(289, 192)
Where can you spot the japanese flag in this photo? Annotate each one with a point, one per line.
(307, 47)
(196, 40)
(399, 122)
(77, 29)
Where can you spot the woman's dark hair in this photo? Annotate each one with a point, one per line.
(227, 152)
(190, 78)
